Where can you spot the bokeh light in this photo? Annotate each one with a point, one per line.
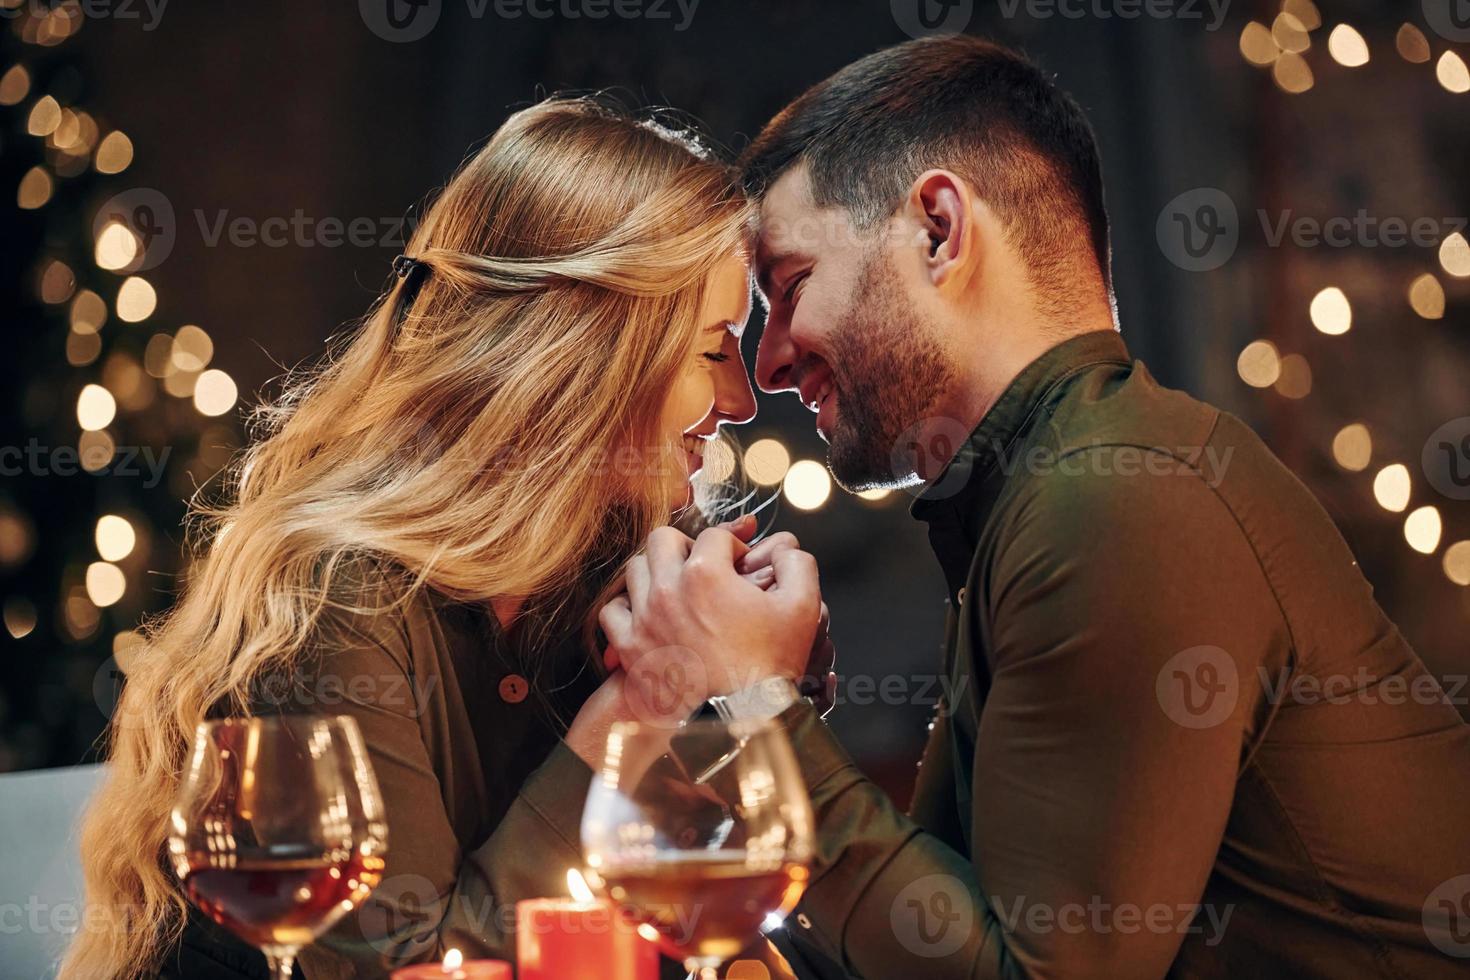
(1422, 529)
(1259, 364)
(1331, 312)
(1412, 45)
(96, 407)
(1452, 73)
(1295, 379)
(1391, 487)
(214, 392)
(1352, 447)
(1454, 255)
(115, 537)
(807, 484)
(766, 462)
(136, 300)
(1426, 296)
(1457, 563)
(106, 583)
(1347, 47)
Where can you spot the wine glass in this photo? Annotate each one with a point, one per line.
(278, 829)
(703, 832)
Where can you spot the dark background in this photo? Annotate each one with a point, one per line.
(273, 110)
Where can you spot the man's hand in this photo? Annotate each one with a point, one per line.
(690, 612)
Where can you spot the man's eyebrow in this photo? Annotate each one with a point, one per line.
(768, 264)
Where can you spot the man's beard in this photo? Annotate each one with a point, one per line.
(892, 371)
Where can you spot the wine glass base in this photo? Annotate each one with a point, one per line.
(281, 960)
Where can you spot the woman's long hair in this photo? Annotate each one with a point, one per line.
(490, 429)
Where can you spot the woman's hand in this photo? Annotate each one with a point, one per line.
(819, 682)
(608, 705)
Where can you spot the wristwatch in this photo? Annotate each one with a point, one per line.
(761, 700)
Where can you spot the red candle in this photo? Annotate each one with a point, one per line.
(572, 939)
(455, 967)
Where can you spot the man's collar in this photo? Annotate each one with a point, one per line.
(957, 484)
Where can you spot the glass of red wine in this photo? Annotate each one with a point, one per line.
(278, 829)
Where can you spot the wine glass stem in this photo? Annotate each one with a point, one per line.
(281, 962)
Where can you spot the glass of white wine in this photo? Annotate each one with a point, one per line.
(278, 829)
(703, 832)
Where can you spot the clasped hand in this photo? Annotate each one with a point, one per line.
(720, 615)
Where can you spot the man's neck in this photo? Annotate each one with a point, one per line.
(984, 377)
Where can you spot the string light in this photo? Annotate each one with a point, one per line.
(807, 485)
(1426, 296)
(1422, 529)
(1412, 45)
(1452, 73)
(106, 583)
(115, 537)
(1457, 563)
(1352, 447)
(1257, 46)
(95, 407)
(1454, 255)
(1295, 378)
(44, 117)
(214, 392)
(1347, 47)
(14, 85)
(1259, 364)
(20, 617)
(1391, 487)
(34, 190)
(1331, 312)
(766, 462)
(136, 300)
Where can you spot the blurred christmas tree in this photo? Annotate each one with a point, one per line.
(114, 415)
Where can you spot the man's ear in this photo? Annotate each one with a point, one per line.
(944, 206)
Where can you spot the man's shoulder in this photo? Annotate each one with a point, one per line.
(1109, 408)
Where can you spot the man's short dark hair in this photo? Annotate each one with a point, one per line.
(963, 104)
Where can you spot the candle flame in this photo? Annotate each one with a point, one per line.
(577, 885)
(453, 960)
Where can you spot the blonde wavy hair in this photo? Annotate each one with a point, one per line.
(464, 434)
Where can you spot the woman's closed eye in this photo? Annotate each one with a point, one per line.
(719, 356)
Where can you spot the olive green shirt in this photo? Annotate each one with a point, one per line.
(484, 799)
(1188, 742)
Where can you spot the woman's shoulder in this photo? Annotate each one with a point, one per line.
(373, 603)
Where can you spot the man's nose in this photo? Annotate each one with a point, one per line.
(774, 358)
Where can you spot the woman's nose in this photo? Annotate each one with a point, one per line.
(734, 398)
